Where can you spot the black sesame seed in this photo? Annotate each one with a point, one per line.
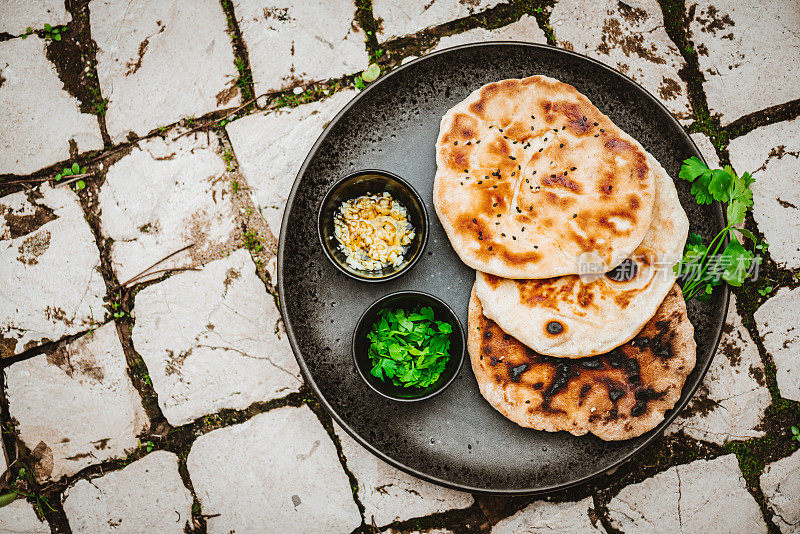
(498, 215)
(475, 220)
(494, 205)
(596, 124)
(552, 176)
(602, 130)
(561, 145)
(563, 127)
(584, 118)
(519, 210)
(597, 135)
(527, 180)
(466, 170)
(514, 237)
(490, 248)
(523, 228)
(540, 150)
(573, 168)
(534, 118)
(511, 157)
(574, 215)
(480, 181)
(535, 246)
(455, 142)
(503, 234)
(534, 172)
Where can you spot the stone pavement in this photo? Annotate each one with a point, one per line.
(138, 394)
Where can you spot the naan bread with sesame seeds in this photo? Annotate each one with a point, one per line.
(574, 316)
(531, 177)
(615, 396)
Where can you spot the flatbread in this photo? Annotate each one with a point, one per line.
(619, 395)
(531, 177)
(572, 316)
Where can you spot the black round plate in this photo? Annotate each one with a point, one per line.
(456, 439)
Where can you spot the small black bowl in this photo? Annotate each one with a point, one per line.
(409, 300)
(375, 182)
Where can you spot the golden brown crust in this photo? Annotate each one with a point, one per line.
(618, 395)
(580, 310)
(530, 175)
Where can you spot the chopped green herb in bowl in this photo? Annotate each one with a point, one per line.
(409, 346)
(410, 349)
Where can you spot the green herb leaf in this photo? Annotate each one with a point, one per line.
(719, 185)
(736, 261)
(80, 184)
(75, 168)
(692, 168)
(47, 27)
(410, 349)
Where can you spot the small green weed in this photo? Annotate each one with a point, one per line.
(49, 32)
(227, 157)
(116, 310)
(73, 170)
(252, 242)
(795, 434)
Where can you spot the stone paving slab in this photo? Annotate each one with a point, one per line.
(98, 412)
(49, 267)
(780, 483)
(164, 195)
(390, 495)
(39, 117)
(707, 149)
(213, 339)
(161, 61)
(772, 154)
(749, 54)
(730, 403)
(271, 148)
(146, 496)
(279, 469)
(543, 517)
(702, 496)
(629, 37)
(18, 15)
(397, 18)
(293, 43)
(19, 518)
(525, 29)
(777, 325)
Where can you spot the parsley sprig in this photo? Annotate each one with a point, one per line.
(409, 348)
(701, 267)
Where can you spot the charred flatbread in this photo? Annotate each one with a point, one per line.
(618, 395)
(572, 316)
(531, 177)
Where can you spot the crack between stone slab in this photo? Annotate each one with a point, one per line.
(245, 355)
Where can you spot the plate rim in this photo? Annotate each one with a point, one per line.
(654, 433)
